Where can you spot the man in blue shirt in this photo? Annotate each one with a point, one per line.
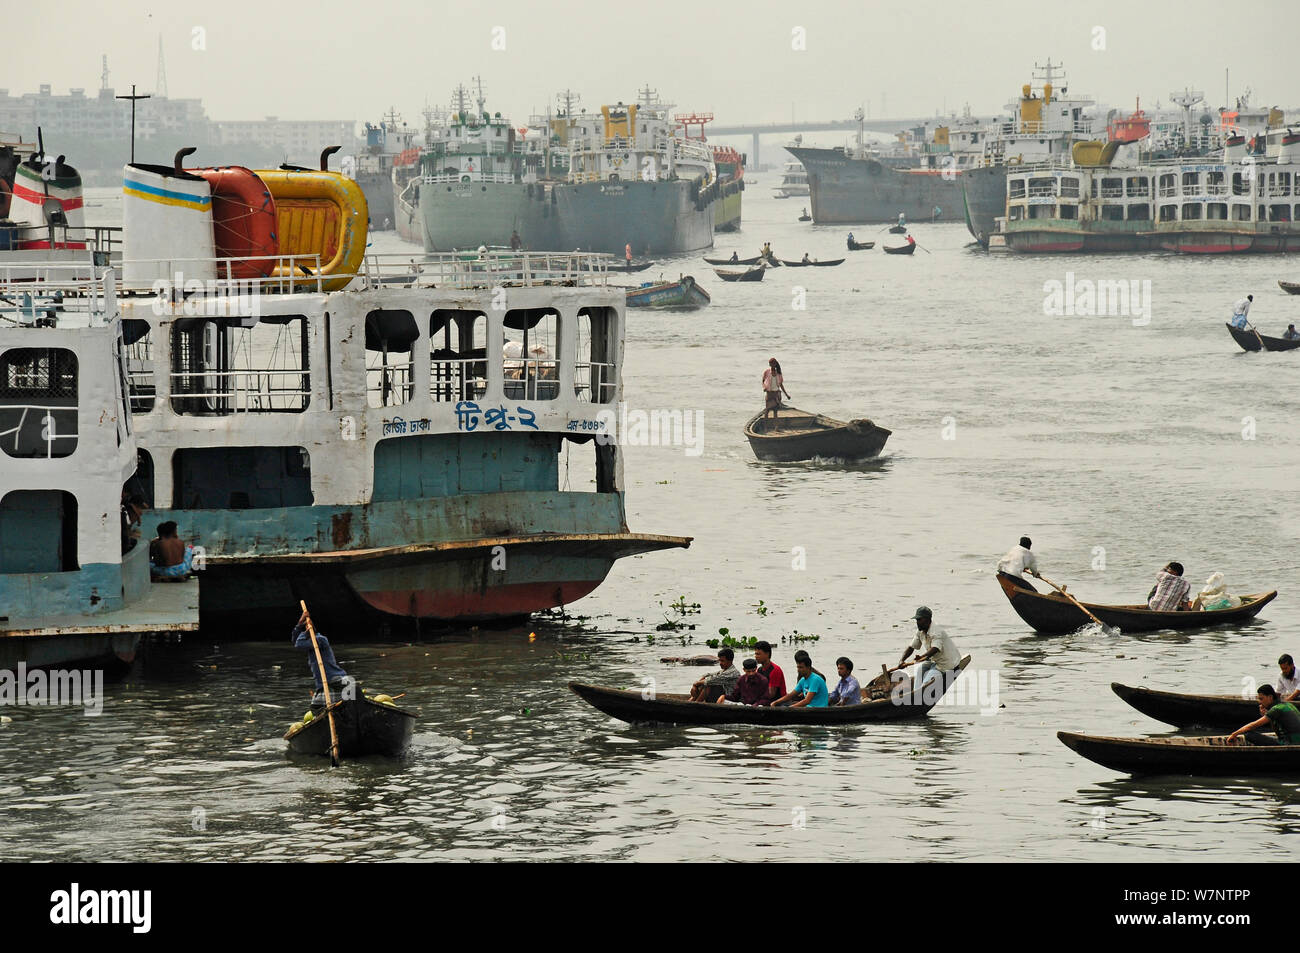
(848, 691)
(810, 690)
(342, 685)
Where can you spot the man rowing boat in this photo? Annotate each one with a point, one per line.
(1171, 590)
(1241, 312)
(1018, 561)
(936, 651)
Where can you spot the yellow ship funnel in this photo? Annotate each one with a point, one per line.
(1275, 119)
(941, 136)
(620, 124)
(1047, 93)
(1031, 110)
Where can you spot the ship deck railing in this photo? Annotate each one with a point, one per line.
(487, 269)
(469, 178)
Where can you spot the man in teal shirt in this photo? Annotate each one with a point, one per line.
(1282, 716)
(810, 691)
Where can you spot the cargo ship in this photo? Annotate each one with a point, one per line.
(730, 167)
(370, 433)
(385, 143)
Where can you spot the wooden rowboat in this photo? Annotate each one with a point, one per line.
(728, 261)
(900, 249)
(904, 702)
(364, 727)
(898, 229)
(754, 274)
(1210, 755)
(813, 264)
(1290, 287)
(861, 246)
(1251, 340)
(683, 294)
(1226, 712)
(1053, 614)
(798, 435)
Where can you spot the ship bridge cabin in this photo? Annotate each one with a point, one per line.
(386, 440)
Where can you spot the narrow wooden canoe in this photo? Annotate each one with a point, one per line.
(798, 435)
(364, 728)
(1226, 712)
(1251, 340)
(1209, 755)
(1290, 287)
(728, 261)
(861, 246)
(631, 706)
(805, 218)
(898, 230)
(681, 294)
(900, 250)
(754, 274)
(1053, 614)
(813, 264)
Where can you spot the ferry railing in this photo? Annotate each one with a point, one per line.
(485, 269)
(595, 382)
(531, 379)
(58, 289)
(242, 391)
(393, 382)
(468, 178)
(453, 379)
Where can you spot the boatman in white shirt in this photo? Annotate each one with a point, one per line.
(1241, 311)
(1017, 562)
(935, 649)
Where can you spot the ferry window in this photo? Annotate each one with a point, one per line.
(240, 478)
(595, 369)
(1139, 213)
(139, 364)
(1279, 213)
(1017, 190)
(529, 362)
(1240, 184)
(1166, 185)
(390, 357)
(1139, 186)
(1191, 211)
(1041, 211)
(1070, 187)
(1241, 213)
(1112, 188)
(38, 532)
(1069, 211)
(1191, 183)
(38, 402)
(1214, 183)
(1168, 213)
(1283, 184)
(1217, 210)
(1015, 213)
(457, 355)
(219, 367)
(1042, 187)
(142, 482)
(1112, 213)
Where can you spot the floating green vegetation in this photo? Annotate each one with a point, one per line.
(797, 636)
(760, 608)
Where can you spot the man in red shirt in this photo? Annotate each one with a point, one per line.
(775, 677)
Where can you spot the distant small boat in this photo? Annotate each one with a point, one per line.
(684, 293)
(813, 264)
(1290, 287)
(1251, 340)
(733, 261)
(898, 230)
(900, 250)
(364, 727)
(1210, 755)
(805, 217)
(861, 246)
(798, 435)
(754, 274)
(615, 267)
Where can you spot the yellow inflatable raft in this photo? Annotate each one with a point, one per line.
(319, 213)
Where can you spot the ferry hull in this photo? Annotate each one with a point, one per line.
(984, 199)
(378, 190)
(863, 191)
(470, 214)
(111, 652)
(655, 218)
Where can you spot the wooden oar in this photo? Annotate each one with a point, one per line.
(1257, 337)
(923, 248)
(1109, 630)
(325, 684)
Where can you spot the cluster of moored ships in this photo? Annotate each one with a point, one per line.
(1053, 177)
(618, 177)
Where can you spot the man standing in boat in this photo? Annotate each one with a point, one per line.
(773, 388)
(1018, 561)
(936, 651)
(1241, 312)
(627, 255)
(516, 242)
(342, 685)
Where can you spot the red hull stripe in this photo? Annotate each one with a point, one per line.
(498, 601)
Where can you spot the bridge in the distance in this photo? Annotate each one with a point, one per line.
(754, 130)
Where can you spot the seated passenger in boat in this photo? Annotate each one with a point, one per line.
(1282, 717)
(847, 691)
(735, 256)
(810, 690)
(1018, 561)
(170, 557)
(750, 688)
(769, 670)
(911, 240)
(806, 260)
(1288, 683)
(342, 685)
(716, 685)
(1291, 334)
(1170, 591)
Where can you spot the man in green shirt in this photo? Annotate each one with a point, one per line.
(1282, 716)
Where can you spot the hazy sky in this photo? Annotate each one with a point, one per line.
(330, 59)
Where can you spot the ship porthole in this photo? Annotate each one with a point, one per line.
(485, 188)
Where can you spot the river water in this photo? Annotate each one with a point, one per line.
(1116, 445)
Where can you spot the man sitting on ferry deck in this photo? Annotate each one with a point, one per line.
(169, 556)
(1282, 717)
(342, 685)
(810, 690)
(1171, 590)
(1018, 561)
(934, 647)
(1240, 311)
